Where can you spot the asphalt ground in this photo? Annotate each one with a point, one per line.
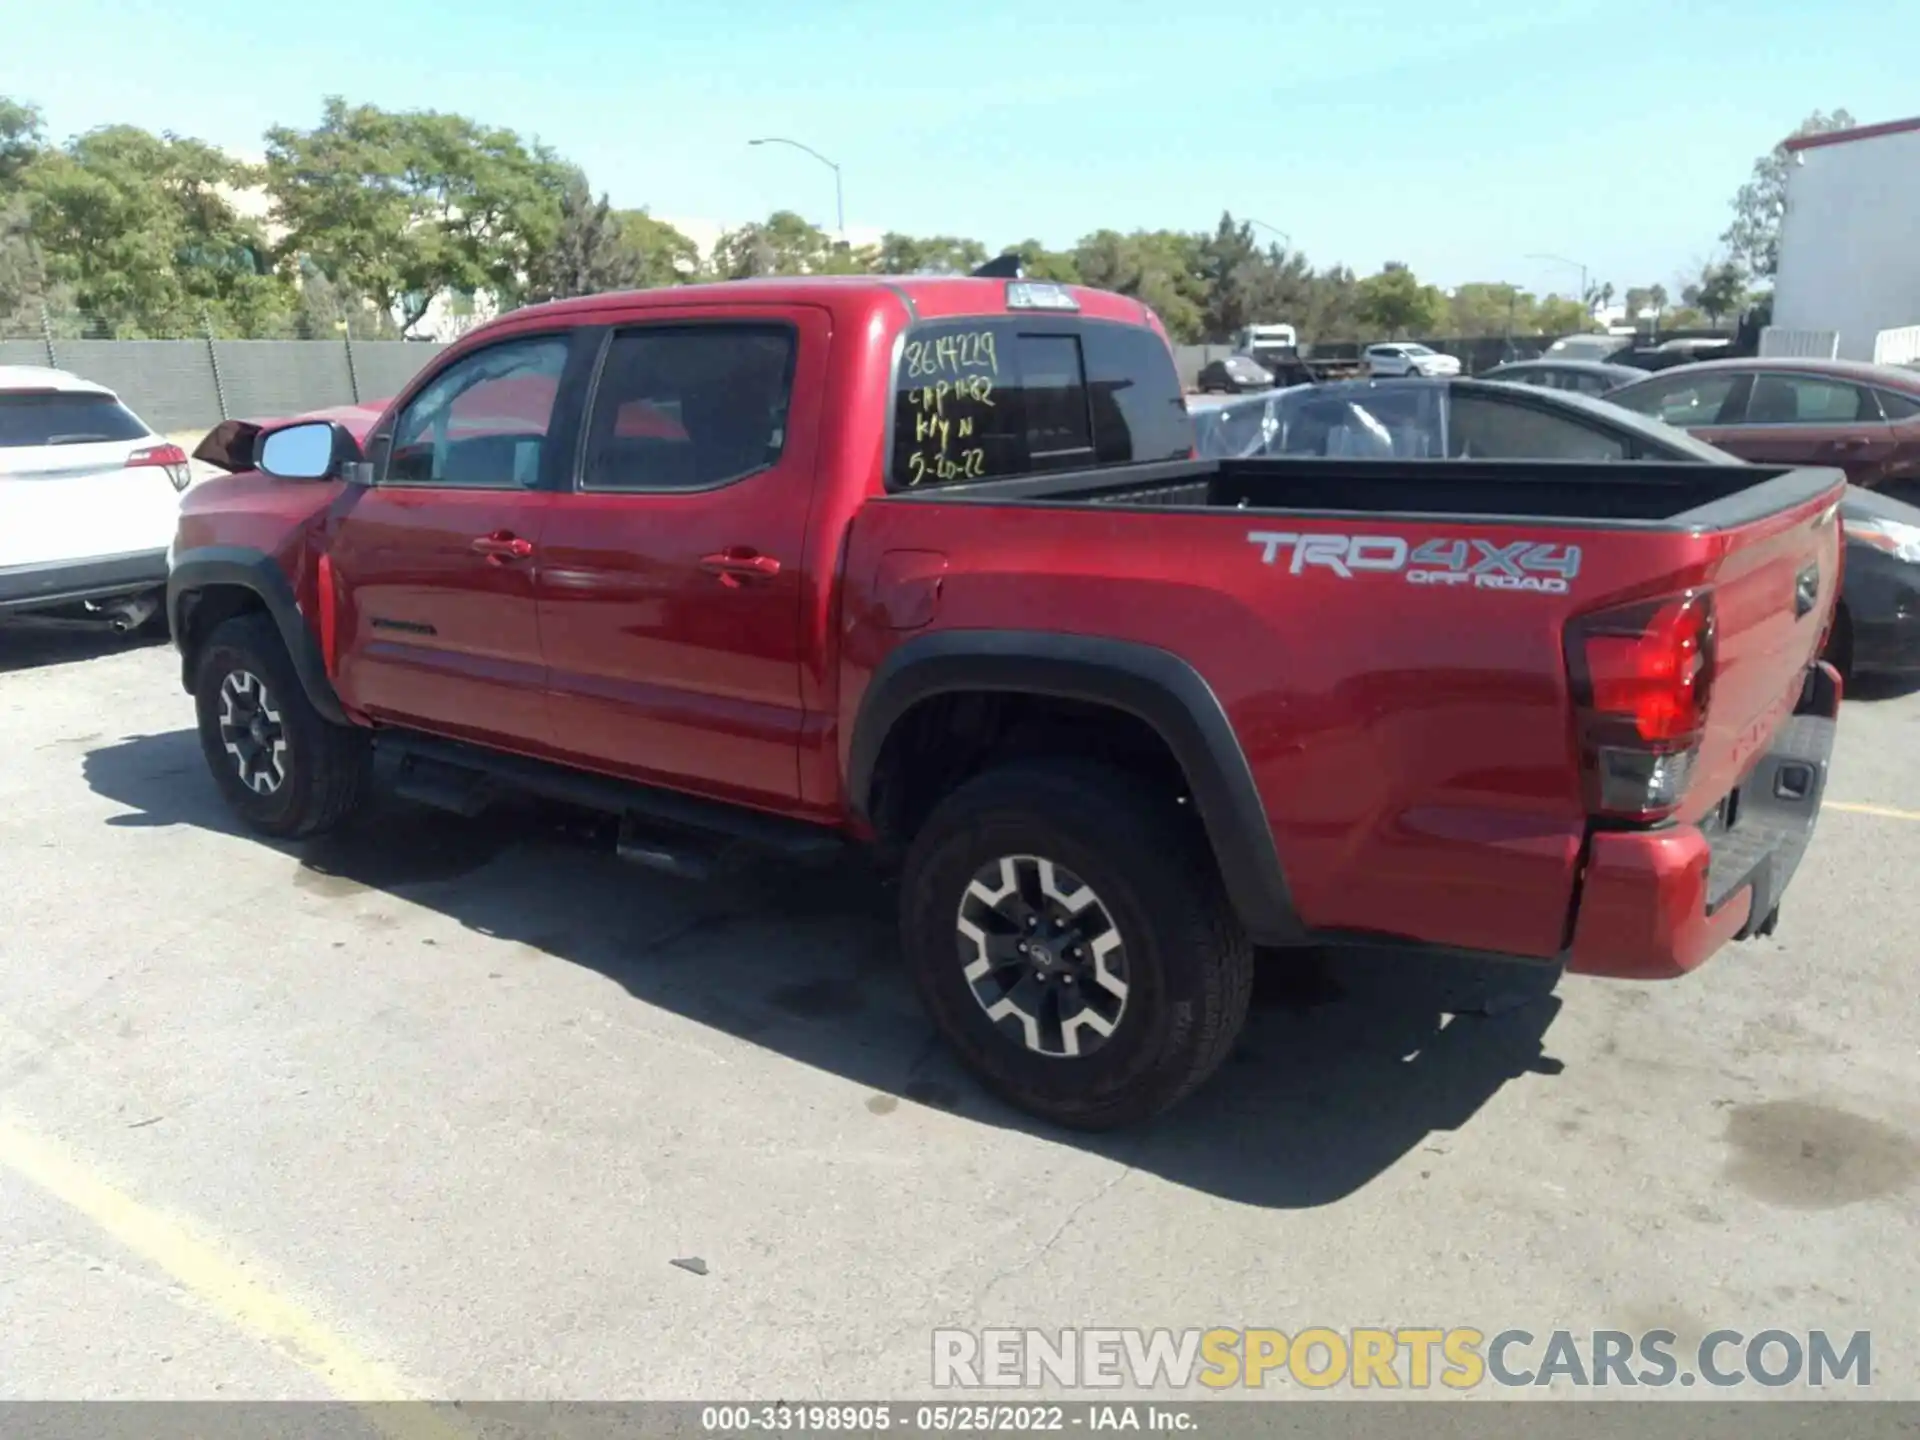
(446, 1108)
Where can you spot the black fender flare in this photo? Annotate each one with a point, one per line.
(248, 569)
(1154, 685)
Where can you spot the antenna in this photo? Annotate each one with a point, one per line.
(1006, 267)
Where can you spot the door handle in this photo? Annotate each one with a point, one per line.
(1852, 442)
(739, 563)
(501, 546)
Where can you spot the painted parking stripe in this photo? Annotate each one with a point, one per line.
(1885, 812)
(225, 1287)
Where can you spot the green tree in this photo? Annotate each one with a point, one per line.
(143, 231)
(1332, 310)
(1720, 291)
(1644, 297)
(1245, 285)
(1161, 268)
(1039, 263)
(586, 256)
(785, 244)
(1484, 307)
(899, 254)
(23, 278)
(1396, 303)
(404, 207)
(1560, 315)
(1753, 237)
(661, 254)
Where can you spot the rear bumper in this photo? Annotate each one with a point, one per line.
(26, 588)
(1654, 904)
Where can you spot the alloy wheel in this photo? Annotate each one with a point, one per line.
(1042, 955)
(251, 732)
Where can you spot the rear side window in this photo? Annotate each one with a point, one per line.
(1896, 406)
(992, 399)
(65, 418)
(689, 407)
(1486, 429)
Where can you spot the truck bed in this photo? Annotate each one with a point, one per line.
(1389, 641)
(1661, 495)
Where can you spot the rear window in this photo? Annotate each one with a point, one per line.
(65, 418)
(989, 399)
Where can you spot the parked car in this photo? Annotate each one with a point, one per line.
(805, 564)
(1588, 346)
(89, 498)
(1408, 359)
(1876, 627)
(1862, 418)
(1583, 377)
(1234, 375)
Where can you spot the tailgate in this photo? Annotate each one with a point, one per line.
(1775, 583)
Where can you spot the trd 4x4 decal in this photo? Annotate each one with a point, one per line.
(1482, 564)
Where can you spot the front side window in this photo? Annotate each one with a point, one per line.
(1684, 400)
(482, 422)
(689, 407)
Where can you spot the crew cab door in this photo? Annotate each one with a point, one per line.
(672, 573)
(433, 564)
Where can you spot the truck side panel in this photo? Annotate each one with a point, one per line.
(1410, 738)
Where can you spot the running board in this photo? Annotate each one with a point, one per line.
(465, 779)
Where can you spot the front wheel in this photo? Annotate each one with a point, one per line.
(1071, 940)
(285, 770)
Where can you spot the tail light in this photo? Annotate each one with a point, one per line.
(170, 458)
(1642, 676)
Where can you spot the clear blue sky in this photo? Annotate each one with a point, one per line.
(1457, 136)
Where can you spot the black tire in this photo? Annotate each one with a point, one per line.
(1188, 965)
(316, 777)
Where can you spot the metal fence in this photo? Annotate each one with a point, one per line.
(179, 385)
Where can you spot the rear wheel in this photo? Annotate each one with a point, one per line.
(283, 767)
(1071, 940)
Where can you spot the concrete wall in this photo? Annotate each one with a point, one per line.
(178, 385)
(1847, 255)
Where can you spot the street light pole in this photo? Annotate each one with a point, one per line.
(839, 207)
(1274, 228)
(1585, 297)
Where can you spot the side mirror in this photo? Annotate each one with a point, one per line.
(310, 450)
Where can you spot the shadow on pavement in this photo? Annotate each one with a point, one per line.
(1350, 1062)
(30, 644)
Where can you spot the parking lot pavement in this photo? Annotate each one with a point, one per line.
(433, 1108)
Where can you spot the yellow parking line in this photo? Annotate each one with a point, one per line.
(225, 1287)
(1885, 812)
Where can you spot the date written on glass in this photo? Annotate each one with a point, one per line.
(948, 405)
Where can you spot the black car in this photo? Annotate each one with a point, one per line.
(1583, 377)
(1234, 375)
(1876, 628)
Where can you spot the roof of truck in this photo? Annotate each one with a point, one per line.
(925, 296)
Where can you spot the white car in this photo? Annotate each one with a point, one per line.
(89, 498)
(1409, 359)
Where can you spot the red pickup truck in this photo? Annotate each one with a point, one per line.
(929, 566)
